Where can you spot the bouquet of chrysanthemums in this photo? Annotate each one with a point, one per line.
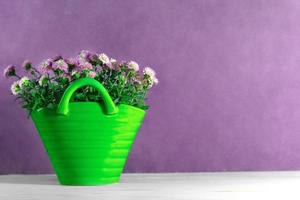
(45, 84)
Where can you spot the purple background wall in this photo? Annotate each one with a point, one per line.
(229, 93)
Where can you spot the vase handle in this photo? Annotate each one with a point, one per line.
(63, 106)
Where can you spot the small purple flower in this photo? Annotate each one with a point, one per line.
(92, 57)
(67, 76)
(9, 71)
(92, 74)
(60, 64)
(98, 69)
(46, 66)
(109, 65)
(56, 58)
(86, 55)
(85, 65)
(122, 64)
(71, 61)
(27, 65)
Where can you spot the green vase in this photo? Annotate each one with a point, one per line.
(88, 143)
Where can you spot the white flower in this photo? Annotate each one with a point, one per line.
(133, 65)
(15, 88)
(112, 60)
(42, 80)
(23, 81)
(152, 78)
(149, 71)
(150, 84)
(155, 80)
(103, 58)
(74, 72)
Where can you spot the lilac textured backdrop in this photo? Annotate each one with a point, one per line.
(229, 93)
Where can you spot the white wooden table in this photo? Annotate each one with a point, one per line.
(241, 185)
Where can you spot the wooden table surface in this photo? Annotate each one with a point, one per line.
(231, 186)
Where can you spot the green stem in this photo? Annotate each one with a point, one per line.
(35, 70)
(19, 77)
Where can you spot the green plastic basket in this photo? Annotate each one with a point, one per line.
(87, 142)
